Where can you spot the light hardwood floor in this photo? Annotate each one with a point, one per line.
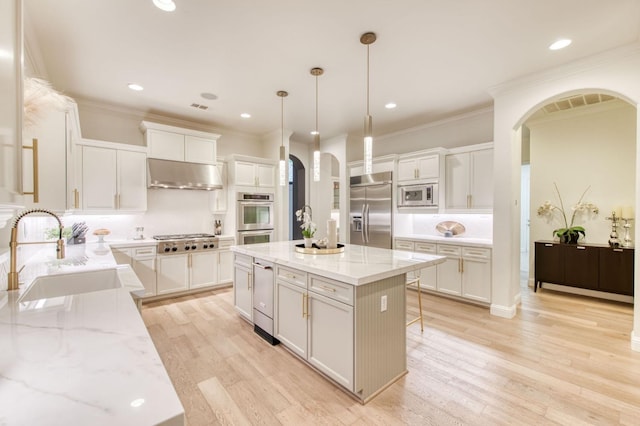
(564, 360)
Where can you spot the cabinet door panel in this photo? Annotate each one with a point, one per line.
(457, 178)
(245, 174)
(331, 338)
(407, 169)
(99, 186)
(145, 269)
(428, 167)
(265, 174)
(291, 322)
(243, 290)
(225, 266)
(549, 265)
(476, 279)
(580, 266)
(199, 150)
(173, 274)
(203, 270)
(616, 271)
(132, 180)
(165, 145)
(449, 276)
(481, 179)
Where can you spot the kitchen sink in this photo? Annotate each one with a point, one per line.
(59, 285)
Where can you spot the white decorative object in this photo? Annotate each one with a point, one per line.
(308, 242)
(332, 234)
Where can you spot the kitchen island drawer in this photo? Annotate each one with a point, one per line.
(292, 276)
(333, 289)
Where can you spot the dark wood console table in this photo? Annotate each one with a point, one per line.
(591, 266)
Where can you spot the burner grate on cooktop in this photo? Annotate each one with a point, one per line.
(182, 236)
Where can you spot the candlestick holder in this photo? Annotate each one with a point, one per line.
(614, 241)
(627, 233)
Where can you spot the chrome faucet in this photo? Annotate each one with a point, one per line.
(12, 283)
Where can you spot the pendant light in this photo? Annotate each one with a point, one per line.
(316, 133)
(283, 162)
(368, 39)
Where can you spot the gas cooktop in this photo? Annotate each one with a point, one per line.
(177, 243)
(182, 236)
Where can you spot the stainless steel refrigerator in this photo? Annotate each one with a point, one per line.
(370, 209)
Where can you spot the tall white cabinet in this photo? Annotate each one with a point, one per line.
(469, 178)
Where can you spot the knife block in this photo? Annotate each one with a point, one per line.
(76, 240)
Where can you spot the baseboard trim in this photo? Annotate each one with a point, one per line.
(635, 341)
(503, 311)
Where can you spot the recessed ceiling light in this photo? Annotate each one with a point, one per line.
(245, 115)
(560, 44)
(137, 402)
(166, 5)
(390, 105)
(134, 86)
(208, 95)
(314, 132)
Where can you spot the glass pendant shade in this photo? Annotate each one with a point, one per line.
(283, 167)
(316, 158)
(368, 145)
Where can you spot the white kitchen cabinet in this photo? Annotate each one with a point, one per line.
(56, 132)
(419, 168)
(203, 269)
(172, 273)
(449, 272)
(330, 338)
(428, 276)
(113, 179)
(476, 274)
(143, 262)
(258, 175)
(243, 286)
(469, 177)
(312, 320)
(225, 266)
(290, 322)
(379, 164)
(178, 144)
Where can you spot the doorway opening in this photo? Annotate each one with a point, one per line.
(297, 185)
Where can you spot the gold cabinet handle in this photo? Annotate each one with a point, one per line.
(324, 287)
(308, 314)
(36, 186)
(76, 199)
(462, 265)
(468, 201)
(304, 305)
(250, 278)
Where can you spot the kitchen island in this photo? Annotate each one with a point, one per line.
(343, 314)
(83, 358)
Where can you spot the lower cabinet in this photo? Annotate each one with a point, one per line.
(466, 272)
(315, 326)
(243, 285)
(173, 273)
(588, 266)
(143, 262)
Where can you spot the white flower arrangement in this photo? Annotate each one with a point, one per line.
(308, 227)
(569, 232)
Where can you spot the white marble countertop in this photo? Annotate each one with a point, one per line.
(458, 240)
(357, 265)
(81, 359)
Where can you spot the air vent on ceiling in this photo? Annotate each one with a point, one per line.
(199, 106)
(577, 101)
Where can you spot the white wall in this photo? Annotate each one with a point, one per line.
(589, 146)
(614, 72)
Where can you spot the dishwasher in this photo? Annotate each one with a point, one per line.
(263, 283)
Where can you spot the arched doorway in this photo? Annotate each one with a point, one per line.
(585, 144)
(297, 185)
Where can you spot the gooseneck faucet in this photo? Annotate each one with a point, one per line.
(12, 283)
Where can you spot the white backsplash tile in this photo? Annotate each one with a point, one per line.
(476, 225)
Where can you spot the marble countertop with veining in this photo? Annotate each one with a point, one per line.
(81, 359)
(357, 265)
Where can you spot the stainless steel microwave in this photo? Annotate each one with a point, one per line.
(422, 195)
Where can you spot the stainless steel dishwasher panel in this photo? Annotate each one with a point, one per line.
(263, 288)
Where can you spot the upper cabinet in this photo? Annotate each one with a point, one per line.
(423, 167)
(48, 161)
(218, 198)
(258, 175)
(469, 177)
(379, 164)
(177, 144)
(113, 179)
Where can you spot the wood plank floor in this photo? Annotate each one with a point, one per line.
(563, 360)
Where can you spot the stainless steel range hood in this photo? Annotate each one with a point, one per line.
(182, 175)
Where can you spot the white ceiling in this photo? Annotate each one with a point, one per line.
(434, 58)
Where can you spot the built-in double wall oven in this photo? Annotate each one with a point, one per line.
(254, 217)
